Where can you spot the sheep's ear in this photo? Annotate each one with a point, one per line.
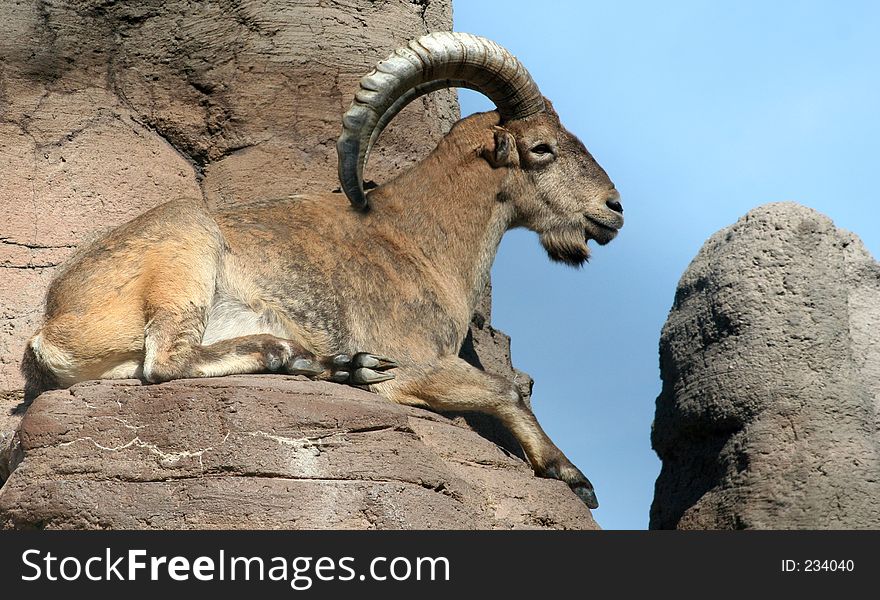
(503, 152)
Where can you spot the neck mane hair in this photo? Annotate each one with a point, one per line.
(451, 204)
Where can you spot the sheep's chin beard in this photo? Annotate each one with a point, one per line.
(566, 246)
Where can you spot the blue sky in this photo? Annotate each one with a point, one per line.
(699, 111)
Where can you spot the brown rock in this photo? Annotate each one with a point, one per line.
(770, 409)
(265, 452)
(10, 418)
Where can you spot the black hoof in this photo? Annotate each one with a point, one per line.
(304, 366)
(365, 376)
(361, 369)
(371, 361)
(340, 377)
(576, 480)
(586, 493)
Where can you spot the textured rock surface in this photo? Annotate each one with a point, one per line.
(265, 452)
(11, 403)
(770, 360)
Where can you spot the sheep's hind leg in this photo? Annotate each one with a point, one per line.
(454, 385)
(176, 314)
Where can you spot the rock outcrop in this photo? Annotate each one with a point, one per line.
(770, 360)
(265, 452)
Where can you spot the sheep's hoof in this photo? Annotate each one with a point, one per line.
(361, 369)
(585, 492)
(577, 481)
(364, 376)
(304, 366)
(340, 377)
(370, 361)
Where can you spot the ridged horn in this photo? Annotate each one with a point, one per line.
(429, 63)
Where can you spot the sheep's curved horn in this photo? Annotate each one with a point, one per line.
(432, 62)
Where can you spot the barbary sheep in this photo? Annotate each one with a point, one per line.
(314, 286)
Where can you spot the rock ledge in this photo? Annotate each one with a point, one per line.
(262, 452)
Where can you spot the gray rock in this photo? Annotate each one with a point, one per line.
(770, 360)
(255, 452)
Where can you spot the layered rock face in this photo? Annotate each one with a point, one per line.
(268, 451)
(770, 360)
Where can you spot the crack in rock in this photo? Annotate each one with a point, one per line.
(165, 458)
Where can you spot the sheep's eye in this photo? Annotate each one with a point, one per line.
(541, 149)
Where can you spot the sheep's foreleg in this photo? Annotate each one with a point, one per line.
(176, 357)
(454, 385)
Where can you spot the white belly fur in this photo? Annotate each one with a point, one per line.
(230, 318)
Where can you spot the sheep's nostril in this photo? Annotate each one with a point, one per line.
(614, 205)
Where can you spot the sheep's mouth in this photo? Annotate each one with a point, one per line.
(598, 231)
